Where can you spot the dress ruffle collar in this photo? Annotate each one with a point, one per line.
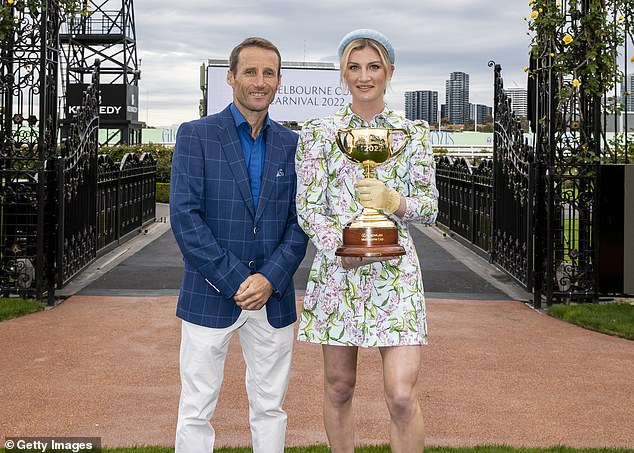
(346, 118)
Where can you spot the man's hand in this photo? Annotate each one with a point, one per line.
(375, 194)
(253, 293)
(350, 262)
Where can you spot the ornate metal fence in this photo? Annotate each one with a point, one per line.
(77, 184)
(107, 202)
(126, 197)
(532, 216)
(569, 137)
(49, 228)
(513, 190)
(465, 199)
(550, 209)
(28, 132)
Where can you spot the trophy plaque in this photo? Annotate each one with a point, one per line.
(371, 234)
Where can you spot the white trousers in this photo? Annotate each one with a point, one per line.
(267, 352)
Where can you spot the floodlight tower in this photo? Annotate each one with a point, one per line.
(106, 33)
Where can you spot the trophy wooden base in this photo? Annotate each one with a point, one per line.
(371, 242)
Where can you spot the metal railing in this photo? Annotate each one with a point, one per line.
(126, 196)
(101, 22)
(465, 199)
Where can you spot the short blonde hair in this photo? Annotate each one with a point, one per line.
(359, 44)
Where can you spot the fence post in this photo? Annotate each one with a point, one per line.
(118, 206)
(61, 207)
(450, 191)
(472, 210)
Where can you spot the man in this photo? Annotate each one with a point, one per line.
(233, 215)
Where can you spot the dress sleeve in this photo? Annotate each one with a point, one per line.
(313, 211)
(422, 197)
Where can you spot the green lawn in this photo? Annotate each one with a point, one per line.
(12, 308)
(613, 319)
(381, 449)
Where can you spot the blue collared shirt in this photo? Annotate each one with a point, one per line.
(254, 150)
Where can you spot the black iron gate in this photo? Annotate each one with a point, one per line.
(541, 219)
(28, 133)
(48, 196)
(551, 208)
(567, 118)
(77, 187)
(513, 200)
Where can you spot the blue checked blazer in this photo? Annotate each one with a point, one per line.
(222, 237)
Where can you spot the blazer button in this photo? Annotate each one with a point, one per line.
(256, 230)
(252, 264)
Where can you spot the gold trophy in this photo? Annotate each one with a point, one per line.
(371, 234)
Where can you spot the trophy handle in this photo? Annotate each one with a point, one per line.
(341, 143)
(397, 151)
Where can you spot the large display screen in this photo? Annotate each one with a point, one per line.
(304, 93)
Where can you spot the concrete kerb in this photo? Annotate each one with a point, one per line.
(111, 259)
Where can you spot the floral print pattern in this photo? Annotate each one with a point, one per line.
(380, 304)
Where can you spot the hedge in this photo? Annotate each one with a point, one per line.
(161, 153)
(162, 192)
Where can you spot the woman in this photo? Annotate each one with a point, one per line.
(352, 302)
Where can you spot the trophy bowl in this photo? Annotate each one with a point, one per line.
(371, 234)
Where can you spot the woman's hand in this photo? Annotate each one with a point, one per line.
(350, 262)
(375, 194)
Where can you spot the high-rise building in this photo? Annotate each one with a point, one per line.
(519, 101)
(627, 92)
(457, 97)
(422, 105)
(478, 113)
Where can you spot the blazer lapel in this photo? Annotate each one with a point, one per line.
(272, 160)
(235, 157)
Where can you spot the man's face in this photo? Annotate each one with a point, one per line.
(256, 80)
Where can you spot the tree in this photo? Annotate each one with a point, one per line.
(10, 11)
(485, 127)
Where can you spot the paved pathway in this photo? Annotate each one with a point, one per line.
(495, 371)
(156, 270)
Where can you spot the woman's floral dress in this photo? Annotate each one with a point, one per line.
(381, 304)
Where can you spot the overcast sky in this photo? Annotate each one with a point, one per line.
(431, 38)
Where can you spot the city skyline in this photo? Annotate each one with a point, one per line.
(423, 104)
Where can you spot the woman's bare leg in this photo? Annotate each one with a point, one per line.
(401, 365)
(340, 377)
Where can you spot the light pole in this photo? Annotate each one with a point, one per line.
(147, 107)
(439, 115)
(475, 114)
